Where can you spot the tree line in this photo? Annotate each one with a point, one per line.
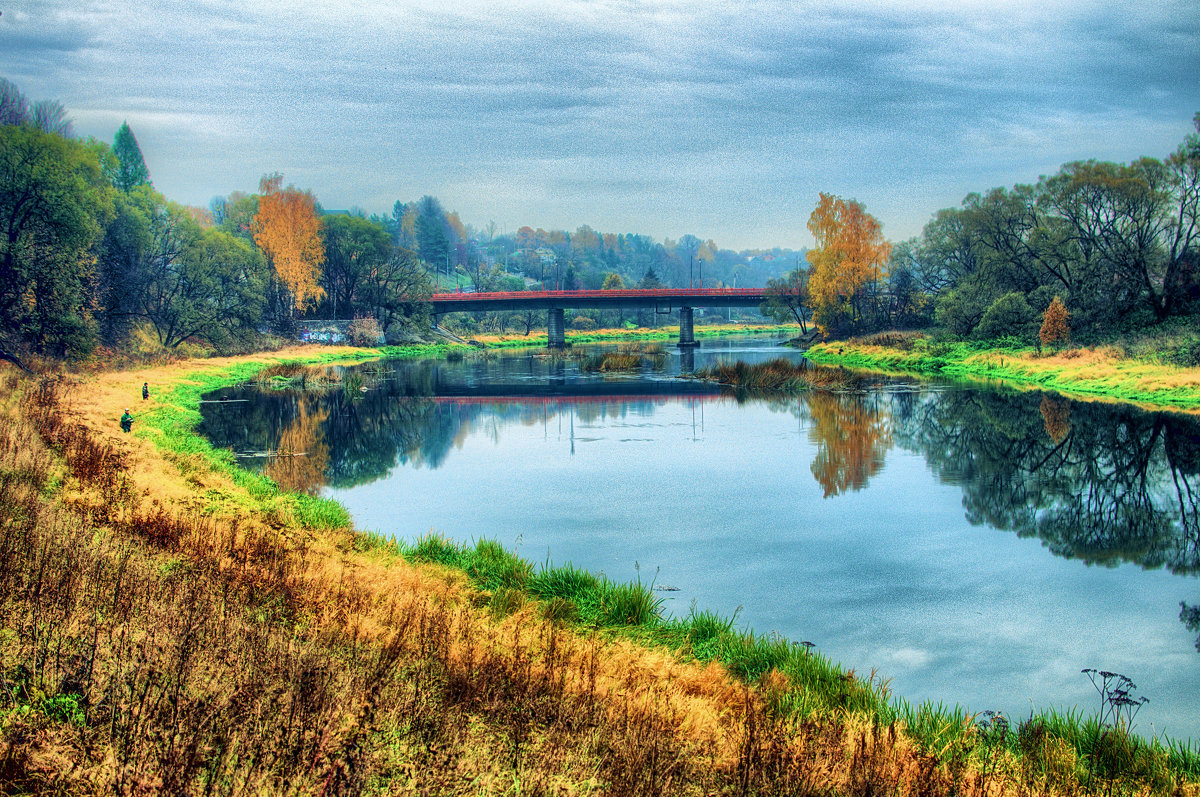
(1117, 243)
(93, 255)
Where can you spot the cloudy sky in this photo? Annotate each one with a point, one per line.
(663, 117)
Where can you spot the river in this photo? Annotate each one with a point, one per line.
(974, 545)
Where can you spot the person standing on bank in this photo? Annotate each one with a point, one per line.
(126, 421)
(145, 390)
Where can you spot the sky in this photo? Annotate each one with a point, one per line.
(724, 120)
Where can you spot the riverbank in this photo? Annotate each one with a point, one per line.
(550, 679)
(1095, 373)
(622, 335)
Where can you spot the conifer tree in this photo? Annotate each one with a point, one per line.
(132, 170)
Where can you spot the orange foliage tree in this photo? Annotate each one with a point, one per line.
(850, 253)
(288, 230)
(1056, 328)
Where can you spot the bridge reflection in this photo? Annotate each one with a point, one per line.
(559, 391)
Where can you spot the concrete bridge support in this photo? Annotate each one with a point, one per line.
(556, 328)
(686, 336)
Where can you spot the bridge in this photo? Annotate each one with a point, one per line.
(662, 300)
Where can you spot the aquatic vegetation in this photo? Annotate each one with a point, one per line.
(779, 375)
(626, 357)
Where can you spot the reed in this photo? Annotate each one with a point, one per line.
(779, 375)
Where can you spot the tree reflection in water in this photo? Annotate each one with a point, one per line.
(1103, 483)
(852, 436)
(301, 455)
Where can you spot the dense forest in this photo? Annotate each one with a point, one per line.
(95, 258)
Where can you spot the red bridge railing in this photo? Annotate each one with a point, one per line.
(622, 293)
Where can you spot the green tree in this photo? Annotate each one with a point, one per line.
(432, 241)
(54, 203)
(145, 236)
(1008, 316)
(613, 282)
(235, 213)
(787, 298)
(961, 309)
(354, 247)
(131, 169)
(214, 290)
(396, 292)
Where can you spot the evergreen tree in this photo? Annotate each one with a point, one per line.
(432, 241)
(132, 170)
(651, 279)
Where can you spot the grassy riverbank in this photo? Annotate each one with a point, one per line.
(171, 622)
(1101, 372)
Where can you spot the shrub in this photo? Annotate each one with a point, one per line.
(583, 323)
(365, 331)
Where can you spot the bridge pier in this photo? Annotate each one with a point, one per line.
(686, 335)
(556, 328)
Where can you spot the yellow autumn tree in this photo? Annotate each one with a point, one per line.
(850, 253)
(288, 231)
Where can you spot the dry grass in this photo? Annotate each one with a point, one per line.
(779, 375)
(146, 647)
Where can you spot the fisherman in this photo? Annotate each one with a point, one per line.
(126, 421)
(145, 390)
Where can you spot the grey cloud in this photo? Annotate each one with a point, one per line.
(668, 109)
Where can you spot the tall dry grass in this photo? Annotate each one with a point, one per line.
(147, 648)
(779, 375)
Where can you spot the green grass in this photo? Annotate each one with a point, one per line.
(1143, 381)
(817, 686)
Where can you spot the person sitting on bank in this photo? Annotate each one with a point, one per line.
(126, 421)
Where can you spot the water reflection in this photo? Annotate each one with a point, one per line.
(852, 435)
(837, 517)
(1098, 482)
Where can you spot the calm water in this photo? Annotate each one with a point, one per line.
(976, 546)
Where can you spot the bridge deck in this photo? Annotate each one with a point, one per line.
(630, 298)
